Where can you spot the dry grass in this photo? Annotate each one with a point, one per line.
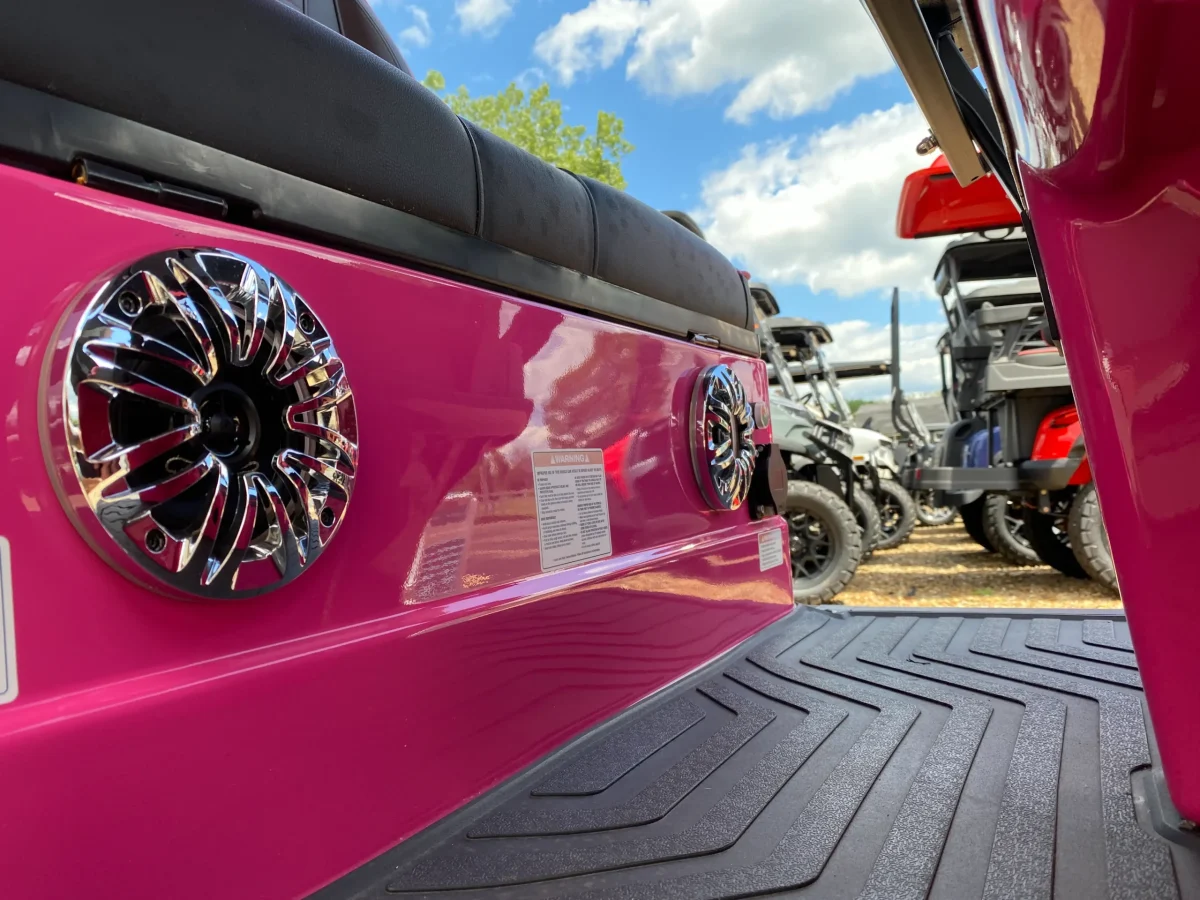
(944, 567)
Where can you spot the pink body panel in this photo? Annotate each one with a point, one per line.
(1103, 100)
(260, 748)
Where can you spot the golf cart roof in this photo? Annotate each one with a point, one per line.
(791, 330)
(867, 369)
(979, 258)
(933, 204)
(763, 297)
(840, 370)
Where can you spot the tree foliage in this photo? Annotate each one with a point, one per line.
(534, 121)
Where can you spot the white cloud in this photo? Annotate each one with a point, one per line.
(483, 16)
(420, 32)
(530, 78)
(824, 212)
(788, 57)
(857, 341)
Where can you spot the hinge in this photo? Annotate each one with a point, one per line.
(130, 184)
(704, 340)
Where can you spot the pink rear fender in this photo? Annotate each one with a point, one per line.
(261, 747)
(1102, 101)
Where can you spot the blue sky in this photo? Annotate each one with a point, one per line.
(784, 128)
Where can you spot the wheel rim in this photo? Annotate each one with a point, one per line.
(925, 504)
(890, 516)
(811, 545)
(1014, 521)
(1060, 511)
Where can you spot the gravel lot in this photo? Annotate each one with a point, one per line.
(944, 567)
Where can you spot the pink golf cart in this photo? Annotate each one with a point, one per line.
(390, 514)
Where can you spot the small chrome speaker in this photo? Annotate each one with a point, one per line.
(723, 451)
(200, 426)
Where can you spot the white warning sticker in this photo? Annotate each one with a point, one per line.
(572, 507)
(770, 549)
(8, 642)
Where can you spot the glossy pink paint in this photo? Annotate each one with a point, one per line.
(261, 748)
(1103, 99)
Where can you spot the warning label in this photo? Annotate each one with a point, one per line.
(770, 549)
(572, 507)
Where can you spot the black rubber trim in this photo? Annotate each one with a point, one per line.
(1039, 270)
(50, 133)
(750, 318)
(595, 220)
(479, 206)
(892, 755)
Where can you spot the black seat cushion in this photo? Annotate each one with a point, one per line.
(640, 248)
(533, 207)
(257, 79)
(272, 82)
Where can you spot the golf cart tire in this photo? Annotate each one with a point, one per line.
(1089, 541)
(832, 511)
(972, 519)
(1000, 535)
(866, 513)
(908, 514)
(928, 514)
(1050, 548)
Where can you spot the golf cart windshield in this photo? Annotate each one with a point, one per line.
(801, 341)
(823, 382)
(817, 395)
(773, 354)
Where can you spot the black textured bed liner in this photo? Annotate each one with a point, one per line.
(846, 754)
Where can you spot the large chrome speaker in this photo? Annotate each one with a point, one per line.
(200, 425)
(722, 428)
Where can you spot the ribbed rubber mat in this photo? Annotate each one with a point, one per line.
(839, 755)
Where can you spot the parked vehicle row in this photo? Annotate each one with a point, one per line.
(822, 446)
(843, 499)
(514, 616)
(1012, 461)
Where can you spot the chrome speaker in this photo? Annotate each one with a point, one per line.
(199, 425)
(723, 451)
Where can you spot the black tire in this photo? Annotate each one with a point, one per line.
(929, 514)
(897, 515)
(1004, 526)
(972, 519)
(1089, 539)
(1049, 536)
(866, 513)
(825, 542)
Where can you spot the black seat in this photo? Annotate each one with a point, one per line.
(272, 81)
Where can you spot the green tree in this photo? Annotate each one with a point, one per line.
(534, 122)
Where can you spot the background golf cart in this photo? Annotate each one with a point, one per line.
(1001, 460)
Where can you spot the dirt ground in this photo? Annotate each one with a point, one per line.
(944, 567)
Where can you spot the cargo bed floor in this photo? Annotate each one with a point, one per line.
(838, 755)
